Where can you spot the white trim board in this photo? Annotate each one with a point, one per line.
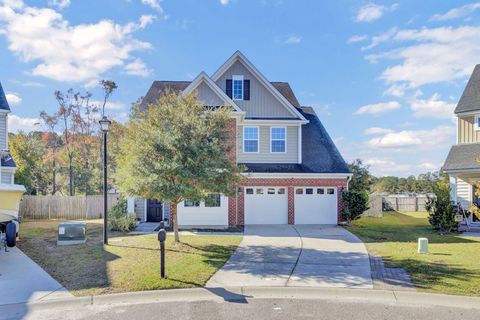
(282, 175)
(238, 56)
(203, 77)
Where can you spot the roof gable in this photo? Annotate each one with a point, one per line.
(3, 100)
(209, 92)
(239, 58)
(470, 100)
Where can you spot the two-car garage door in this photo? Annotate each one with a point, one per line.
(269, 205)
(316, 205)
(266, 205)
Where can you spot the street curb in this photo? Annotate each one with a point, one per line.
(243, 294)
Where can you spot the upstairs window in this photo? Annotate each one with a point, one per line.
(250, 139)
(278, 139)
(237, 87)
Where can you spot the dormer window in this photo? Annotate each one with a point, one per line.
(237, 87)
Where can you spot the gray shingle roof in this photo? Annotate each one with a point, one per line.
(463, 157)
(319, 153)
(470, 100)
(3, 100)
(158, 87)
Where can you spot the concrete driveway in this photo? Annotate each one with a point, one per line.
(22, 280)
(300, 255)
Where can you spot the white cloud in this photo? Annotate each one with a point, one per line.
(377, 130)
(429, 166)
(419, 139)
(433, 107)
(65, 52)
(224, 2)
(137, 68)
(396, 90)
(383, 167)
(455, 13)
(111, 105)
(16, 123)
(376, 40)
(61, 4)
(372, 12)
(292, 39)
(357, 38)
(13, 99)
(378, 108)
(155, 4)
(433, 55)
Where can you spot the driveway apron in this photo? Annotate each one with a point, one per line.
(300, 255)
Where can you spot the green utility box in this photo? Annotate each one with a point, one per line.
(71, 233)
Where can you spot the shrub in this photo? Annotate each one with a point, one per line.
(354, 204)
(119, 219)
(440, 211)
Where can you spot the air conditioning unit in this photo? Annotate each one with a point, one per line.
(71, 233)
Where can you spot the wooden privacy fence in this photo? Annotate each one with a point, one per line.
(65, 207)
(409, 203)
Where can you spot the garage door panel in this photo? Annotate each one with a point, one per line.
(316, 205)
(266, 205)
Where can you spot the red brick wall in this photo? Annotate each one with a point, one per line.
(232, 138)
(290, 183)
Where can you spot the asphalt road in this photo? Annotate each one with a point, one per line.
(254, 309)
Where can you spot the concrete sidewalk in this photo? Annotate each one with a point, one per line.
(22, 280)
(301, 255)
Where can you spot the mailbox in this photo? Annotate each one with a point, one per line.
(162, 235)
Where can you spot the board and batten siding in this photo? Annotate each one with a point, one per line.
(3, 131)
(466, 130)
(208, 96)
(140, 208)
(7, 175)
(262, 103)
(464, 193)
(264, 155)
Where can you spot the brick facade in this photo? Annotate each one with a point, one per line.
(236, 211)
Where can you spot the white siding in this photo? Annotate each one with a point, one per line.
(464, 193)
(262, 103)
(202, 215)
(3, 131)
(140, 209)
(264, 155)
(208, 96)
(7, 175)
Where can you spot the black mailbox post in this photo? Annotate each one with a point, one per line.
(162, 236)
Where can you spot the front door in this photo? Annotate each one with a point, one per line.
(154, 211)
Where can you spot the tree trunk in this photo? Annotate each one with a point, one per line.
(54, 178)
(70, 172)
(173, 212)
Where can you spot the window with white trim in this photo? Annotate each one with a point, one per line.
(190, 203)
(476, 125)
(213, 200)
(237, 87)
(250, 139)
(278, 139)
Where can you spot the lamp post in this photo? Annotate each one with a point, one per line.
(104, 124)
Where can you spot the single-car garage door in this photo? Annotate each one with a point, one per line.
(316, 205)
(266, 205)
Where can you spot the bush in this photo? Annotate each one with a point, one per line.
(440, 211)
(119, 219)
(354, 204)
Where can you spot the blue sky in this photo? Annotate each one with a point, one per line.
(383, 76)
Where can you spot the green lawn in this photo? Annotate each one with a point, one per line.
(452, 266)
(129, 263)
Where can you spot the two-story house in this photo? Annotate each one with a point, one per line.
(295, 174)
(462, 163)
(10, 193)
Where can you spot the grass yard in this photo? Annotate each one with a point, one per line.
(129, 263)
(452, 266)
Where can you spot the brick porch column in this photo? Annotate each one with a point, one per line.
(232, 211)
(291, 205)
(241, 206)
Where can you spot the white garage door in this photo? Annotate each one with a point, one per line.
(266, 205)
(316, 205)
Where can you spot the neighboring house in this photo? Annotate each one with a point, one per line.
(295, 174)
(7, 165)
(462, 161)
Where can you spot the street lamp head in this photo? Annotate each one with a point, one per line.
(104, 123)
